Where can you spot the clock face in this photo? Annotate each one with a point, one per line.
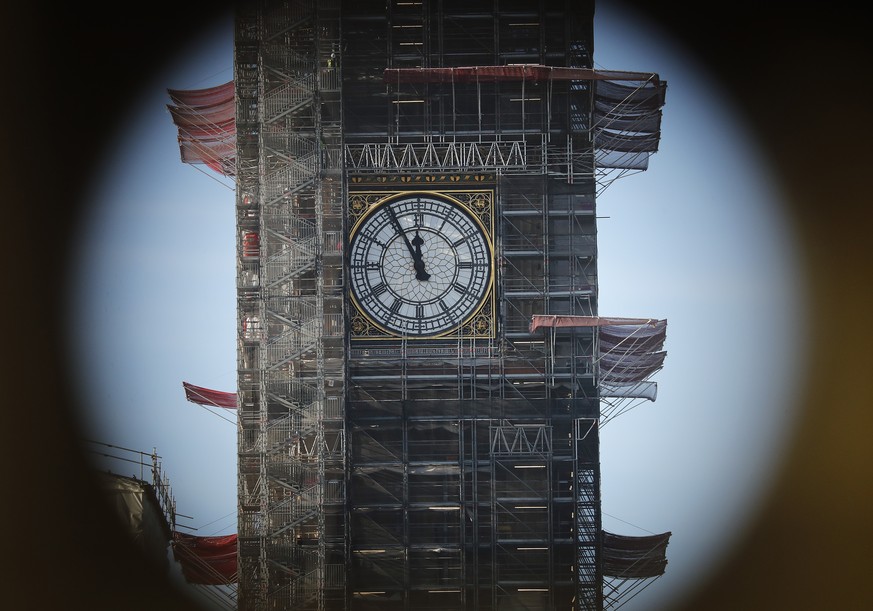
(420, 265)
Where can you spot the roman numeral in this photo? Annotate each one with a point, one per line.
(368, 234)
(373, 291)
(365, 264)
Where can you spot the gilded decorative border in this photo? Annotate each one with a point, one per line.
(479, 203)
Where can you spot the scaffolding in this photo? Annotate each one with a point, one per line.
(290, 304)
(461, 471)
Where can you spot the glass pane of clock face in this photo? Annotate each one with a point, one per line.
(420, 265)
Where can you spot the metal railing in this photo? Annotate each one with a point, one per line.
(112, 458)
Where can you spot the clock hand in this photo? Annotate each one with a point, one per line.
(417, 261)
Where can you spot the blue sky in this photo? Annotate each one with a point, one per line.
(699, 239)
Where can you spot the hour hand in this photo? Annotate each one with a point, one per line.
(417, 261)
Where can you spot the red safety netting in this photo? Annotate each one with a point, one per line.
(206, 119)
(206, 560)
(208, 397)
(208, 96)
(214, 154)
(214, 119)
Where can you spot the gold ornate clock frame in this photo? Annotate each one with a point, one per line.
(475, 194)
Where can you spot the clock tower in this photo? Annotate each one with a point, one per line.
(420, 399)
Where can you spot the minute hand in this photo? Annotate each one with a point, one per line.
(417, 261)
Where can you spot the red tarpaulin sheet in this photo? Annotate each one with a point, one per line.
(548, 320)
(202, 97)
(206, 119)
(211, 398)
(206, 560)
(218, 119)
(217, 155)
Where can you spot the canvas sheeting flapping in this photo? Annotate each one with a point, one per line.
(541, 321)
(627, 122)
(631, 353)
(629, 350)
(627, 557)
(206, 560)
(209, 397)
(206, 120)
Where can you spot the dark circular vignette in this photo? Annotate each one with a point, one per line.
(71, 74)
(799, 75)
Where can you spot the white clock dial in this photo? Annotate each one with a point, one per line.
(420, 265)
